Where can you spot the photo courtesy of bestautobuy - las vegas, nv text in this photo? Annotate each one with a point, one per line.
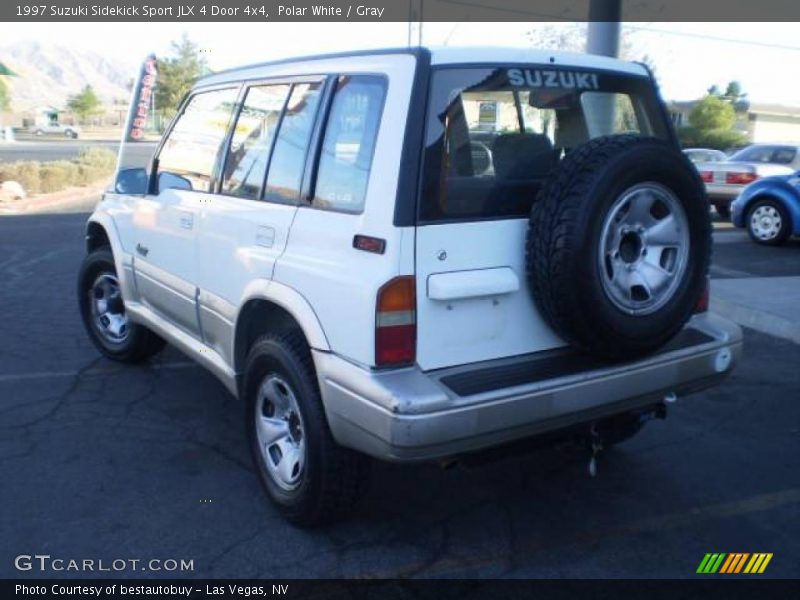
(408, 299)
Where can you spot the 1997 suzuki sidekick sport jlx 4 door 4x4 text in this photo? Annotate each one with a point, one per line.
(413, 255)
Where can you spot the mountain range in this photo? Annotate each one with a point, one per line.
(49, 73)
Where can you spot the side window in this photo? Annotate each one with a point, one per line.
(252, 137)
(599, 106)
(349, 143)
(289, 156)
(188, 156)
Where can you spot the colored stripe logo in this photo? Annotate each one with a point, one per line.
(734, 563)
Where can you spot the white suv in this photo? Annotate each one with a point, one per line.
(415, 254)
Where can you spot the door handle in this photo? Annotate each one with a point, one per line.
(187, 220)
(265, 236)
(477, 283)
(142, 249)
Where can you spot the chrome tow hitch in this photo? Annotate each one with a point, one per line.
(596, 446)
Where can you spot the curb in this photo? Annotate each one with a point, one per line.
(757, 319)
(57, 200)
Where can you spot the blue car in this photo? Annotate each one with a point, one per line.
(769, 209)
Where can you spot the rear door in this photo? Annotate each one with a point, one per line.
(244, 230)
(493, 135)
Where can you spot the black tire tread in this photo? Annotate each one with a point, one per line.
(144, 343)
(552, 222)
(344, 472)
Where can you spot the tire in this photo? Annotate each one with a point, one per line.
(322, 481)
(591, 229)
(768, 222)
(111, 332)
(723, 210)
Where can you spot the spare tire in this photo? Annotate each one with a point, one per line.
(619, 245)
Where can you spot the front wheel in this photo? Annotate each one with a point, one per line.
(308, 476)
(768, 223)
(103, 312)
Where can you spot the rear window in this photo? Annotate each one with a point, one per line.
(780, 155)
(494, 134)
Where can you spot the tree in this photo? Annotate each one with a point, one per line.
(5, 97)
(712, 123)
(85, 104)
(177, 74)
(733, 91)
(712, 112)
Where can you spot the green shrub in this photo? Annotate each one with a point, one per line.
(103, 159)
(89, 166)
(57, 175)
(25, 173)
(720, 139)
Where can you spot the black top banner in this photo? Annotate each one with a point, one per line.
(398, 10)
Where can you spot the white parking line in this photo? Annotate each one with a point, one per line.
(14, 377)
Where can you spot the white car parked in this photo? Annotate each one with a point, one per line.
(56, 129)
(415, 255)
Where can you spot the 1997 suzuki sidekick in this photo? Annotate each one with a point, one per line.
(414, 254)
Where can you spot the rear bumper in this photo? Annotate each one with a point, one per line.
(407, 415)
(723, 194)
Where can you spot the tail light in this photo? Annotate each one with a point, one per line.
(707, 176)
(705, 298)
(396, 323)
(736, 178)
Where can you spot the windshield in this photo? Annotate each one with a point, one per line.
(781, 155)
(494, 134)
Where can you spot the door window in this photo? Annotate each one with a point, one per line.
(188, 156)
(289, 155)
(247, 160)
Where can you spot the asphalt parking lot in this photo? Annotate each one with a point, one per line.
(103, 461)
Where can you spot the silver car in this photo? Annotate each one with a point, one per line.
(726, 180)
(704, 155)
(67, 131)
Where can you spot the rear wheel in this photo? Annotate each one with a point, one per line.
(103, 312)
(768, 223)
(308, 476)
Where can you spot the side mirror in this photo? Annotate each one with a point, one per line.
(131, 181)
(171, 181)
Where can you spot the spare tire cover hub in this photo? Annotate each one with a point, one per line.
(644, 247)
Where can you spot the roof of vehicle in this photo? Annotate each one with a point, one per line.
(467, 55)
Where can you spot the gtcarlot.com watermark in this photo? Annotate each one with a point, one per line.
(44, 563)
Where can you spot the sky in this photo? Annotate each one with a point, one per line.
(689, 57)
